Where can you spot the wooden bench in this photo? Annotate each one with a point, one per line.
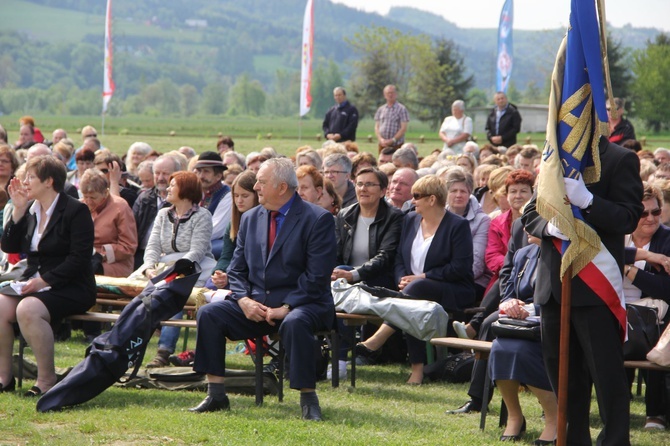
(92, 316)
(482, 350)
(353, 320)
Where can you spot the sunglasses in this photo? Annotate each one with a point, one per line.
(420, 196)
(105, 171)
(654, 212)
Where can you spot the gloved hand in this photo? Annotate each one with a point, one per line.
(577, 192)
(555, 232)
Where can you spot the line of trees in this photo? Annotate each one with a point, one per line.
(430, 75)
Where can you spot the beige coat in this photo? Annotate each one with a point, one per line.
(115, 236)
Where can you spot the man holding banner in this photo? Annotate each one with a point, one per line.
(588, 197)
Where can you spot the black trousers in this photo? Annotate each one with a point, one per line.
(225, 319)
(596, 358)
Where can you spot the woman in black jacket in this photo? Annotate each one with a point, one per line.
(368, 233)
(57, 233)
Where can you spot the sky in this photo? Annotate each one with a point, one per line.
(528, 14)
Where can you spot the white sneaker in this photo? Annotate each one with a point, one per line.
(459, 328)
(342, 370)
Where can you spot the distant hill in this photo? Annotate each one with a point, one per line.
(199, 41)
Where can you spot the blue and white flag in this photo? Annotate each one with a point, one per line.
(577, 121)
(505, 47)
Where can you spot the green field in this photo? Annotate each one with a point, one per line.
(381, 410)
(72, 26)
(249, 134)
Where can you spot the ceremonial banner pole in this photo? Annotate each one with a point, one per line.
(108, 82)
(306, 68)
(564, 358)
(577, 122)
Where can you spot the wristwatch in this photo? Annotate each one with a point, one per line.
(287, 306)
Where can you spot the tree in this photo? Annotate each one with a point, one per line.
(386, 57)
(651, 88)
(325, 79)
(247, 97)
(367, 84)
(620, 72)
(214, 98)
(439, 81)
(284, 101)
(188, 101)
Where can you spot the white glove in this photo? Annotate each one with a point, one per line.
(555, 232)
(577, 192)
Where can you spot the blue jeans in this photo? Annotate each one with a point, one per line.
(170, 335)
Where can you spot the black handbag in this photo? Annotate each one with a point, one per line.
(517, 329)
(643, 332)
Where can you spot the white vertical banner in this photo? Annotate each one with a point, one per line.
(307, 49)
(108, 83)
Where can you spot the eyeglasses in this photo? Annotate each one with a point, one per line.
(654, 212)
(92, 135)
(328, 172)
(6, 161)
(366, 185)
(420, 196)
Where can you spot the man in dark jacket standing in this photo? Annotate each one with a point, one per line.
(503, 123)
(341, 120)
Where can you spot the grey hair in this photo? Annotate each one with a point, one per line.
(146, 165)
(406, 156)
(139, 147)
(459, 104)
(458, 175)
(336, 89)
(338, 158)
(313, 156)
(174, 160)
(283, 171)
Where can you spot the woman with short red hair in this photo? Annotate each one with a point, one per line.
(181, 231)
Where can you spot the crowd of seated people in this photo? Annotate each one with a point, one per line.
(440, 227)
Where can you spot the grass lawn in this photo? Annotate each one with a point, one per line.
(249, 134)
(380, 410)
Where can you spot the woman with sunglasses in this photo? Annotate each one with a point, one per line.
(434, 261)
(646, 276)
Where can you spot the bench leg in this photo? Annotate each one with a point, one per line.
(485, 400)
(335, 358)
(22, 347)
(353, 356)
(258, 359)
(281, 357)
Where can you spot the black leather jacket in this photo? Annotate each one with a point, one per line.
(384, 239)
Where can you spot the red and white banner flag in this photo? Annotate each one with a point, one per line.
(307, 49)
(108, 83)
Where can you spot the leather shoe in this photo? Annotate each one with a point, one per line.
(465, 408)
(311, 412)
(9, 387)
(540, 442)
(209, 404)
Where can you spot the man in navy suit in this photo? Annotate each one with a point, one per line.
(280, 281)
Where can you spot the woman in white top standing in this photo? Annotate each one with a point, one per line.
(457, 128)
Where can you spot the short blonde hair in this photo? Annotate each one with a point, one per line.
(431, 185)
